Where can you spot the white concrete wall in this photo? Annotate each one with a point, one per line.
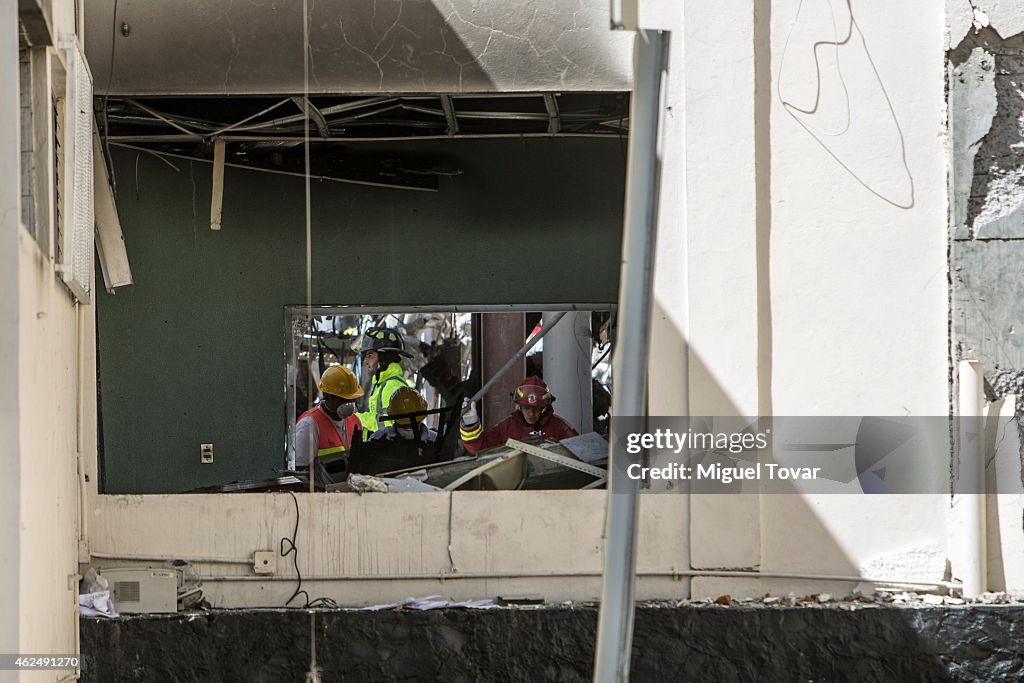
(801, 271)
(48, 338)
(858, 258)
(858, 287)
(827, 294)
(50, 397)
(369, 549)
(10, 461)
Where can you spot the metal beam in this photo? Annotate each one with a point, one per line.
(162, 117)
(326, 111)
(217, 194)
(554, 122)
(354, 181)
(173, 137)
(110, 247)
(448, 308)
(629, 361)
(314, 115)
(449, 114)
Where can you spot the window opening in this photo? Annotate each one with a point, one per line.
(442, 363)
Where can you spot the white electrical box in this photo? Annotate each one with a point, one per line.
(138, 590)
(264, 561)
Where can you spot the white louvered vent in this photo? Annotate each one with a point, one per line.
(77, 233)
(127, 591)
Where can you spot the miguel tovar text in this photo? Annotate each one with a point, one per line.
(724, 474)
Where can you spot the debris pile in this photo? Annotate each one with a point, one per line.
(855, 600)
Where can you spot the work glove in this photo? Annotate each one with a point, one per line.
(470, 418)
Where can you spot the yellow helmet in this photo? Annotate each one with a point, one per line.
(404, 401)
(340, 381)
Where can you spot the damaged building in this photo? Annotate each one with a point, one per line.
(729, 212)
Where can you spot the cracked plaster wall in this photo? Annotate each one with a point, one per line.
(986, 130)
(396, 46)
(985, 71)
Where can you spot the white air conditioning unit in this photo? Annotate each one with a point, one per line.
(138, 590)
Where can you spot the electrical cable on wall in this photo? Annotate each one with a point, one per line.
(287, 548)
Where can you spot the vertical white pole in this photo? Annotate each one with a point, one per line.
(971, 483)
(629, 361)
(567, 352)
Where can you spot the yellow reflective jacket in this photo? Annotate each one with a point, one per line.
(384, 386)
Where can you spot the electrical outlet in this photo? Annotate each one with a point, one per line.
(206, 453)
(264, 561)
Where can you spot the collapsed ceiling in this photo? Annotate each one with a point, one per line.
(268, 133)
(175, 76)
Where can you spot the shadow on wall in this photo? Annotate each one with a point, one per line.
(758, 530)
(805, 537)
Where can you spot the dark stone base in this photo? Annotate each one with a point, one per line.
(557, 644)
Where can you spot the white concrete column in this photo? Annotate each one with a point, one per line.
(721, 228)
(567, 351)
(10, 454)
(969, 502)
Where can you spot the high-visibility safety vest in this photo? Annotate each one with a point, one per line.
(329, 441)
(384, 386)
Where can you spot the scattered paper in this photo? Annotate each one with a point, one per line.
(431, 602)
(96, 605)
(364, 483)
(590, 447)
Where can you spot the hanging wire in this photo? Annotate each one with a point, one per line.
(309, 222)
(313, 675)
(288, 547)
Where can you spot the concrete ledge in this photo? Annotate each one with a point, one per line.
(556, 644)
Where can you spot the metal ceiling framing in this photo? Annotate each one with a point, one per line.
(259, 134)
(137, 121)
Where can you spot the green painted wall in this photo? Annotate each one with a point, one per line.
(194, 350)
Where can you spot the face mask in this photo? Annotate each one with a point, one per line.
(405, 432)
(338, 408)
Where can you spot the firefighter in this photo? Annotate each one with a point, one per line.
(400, 443)
(532, 416)
(381, 350)
(406, 400)
(328, 429)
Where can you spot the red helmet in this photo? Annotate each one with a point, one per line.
(534, 393)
